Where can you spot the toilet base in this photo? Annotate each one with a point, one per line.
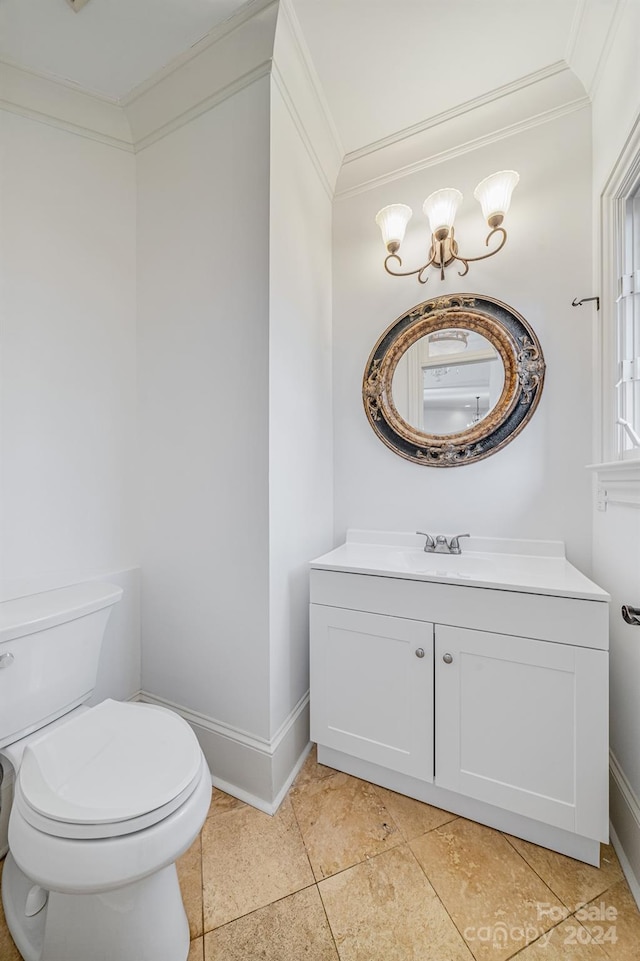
(28, 933)
(143, 921)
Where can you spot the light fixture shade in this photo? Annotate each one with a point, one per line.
(392, 221)
(440, 207)
(447, 342)
(494, 194)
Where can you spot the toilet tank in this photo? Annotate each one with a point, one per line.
(49, 652)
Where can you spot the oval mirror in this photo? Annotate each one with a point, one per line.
(453, 380)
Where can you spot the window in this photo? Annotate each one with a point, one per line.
(618, 335)
(627, 350)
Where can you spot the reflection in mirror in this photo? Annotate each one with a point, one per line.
(453, 380)
(448, 381)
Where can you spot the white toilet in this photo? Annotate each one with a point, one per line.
(106, 798)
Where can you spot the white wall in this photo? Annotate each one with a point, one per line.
(616, 544)
(68, 385)
(536, 486)
(300, 408)
(203, 233)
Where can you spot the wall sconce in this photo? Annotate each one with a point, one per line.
(494, 195)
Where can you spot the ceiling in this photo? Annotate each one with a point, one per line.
(387, 66)
(383, 66)
(109, 46)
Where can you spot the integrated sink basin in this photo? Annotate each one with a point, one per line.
(447, 565)
(530, 566)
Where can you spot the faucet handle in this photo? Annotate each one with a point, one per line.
(454, 543)
(429, 544)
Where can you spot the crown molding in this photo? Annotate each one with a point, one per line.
(295, 78)
(219, 33)
(312, 78)
(59, 81)
(446, 116)
(289, 103)
(208, 74)
(208, 103)
(223, 62)
(577, 25)
(463, 148)
(605, 50)
(61, 104)
(534, 99)
(66, 125)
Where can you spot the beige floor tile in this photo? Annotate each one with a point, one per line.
(311, 771)
(572, 881)
(190, 876)
(221, 803)
(569, 941)
(496, 900)
(412, 817)
(196, 950)
(250, 859)
(293, 929)
(384, 909)
(613, 920)
(8, 950)
(343, 821)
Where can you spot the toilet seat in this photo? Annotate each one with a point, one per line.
(113, 770)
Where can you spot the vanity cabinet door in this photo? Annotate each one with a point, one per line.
(522, 724)
(372, 688)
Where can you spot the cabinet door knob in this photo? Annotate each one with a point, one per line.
(447, 658)
(420, 652)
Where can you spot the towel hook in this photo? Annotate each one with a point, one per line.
(585, 300)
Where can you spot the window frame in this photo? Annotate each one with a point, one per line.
(620, 242)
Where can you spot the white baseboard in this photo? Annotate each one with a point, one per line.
(253, 799)
(253, 769)
(625, 825)
(634, 887)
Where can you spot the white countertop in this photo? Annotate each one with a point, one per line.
(533, 567)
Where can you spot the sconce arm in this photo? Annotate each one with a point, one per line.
(410, 273)
(440, 256)
(470, 260)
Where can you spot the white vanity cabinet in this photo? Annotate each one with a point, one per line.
(522, 724)
(489, 701)
(373, 688)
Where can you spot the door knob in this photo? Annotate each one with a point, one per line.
(447, 658)
(420, 652)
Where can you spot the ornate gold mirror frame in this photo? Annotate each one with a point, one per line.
(516, 344)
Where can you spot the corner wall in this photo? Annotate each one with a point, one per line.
(203, 321)
(234, 295)
(300, 409)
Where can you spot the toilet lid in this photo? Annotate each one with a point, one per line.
(116, 762)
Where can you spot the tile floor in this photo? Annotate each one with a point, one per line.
(347, 871)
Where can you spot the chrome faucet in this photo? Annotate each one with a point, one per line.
(440, 544)
(429, 544)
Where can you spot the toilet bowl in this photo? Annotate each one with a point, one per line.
(106, 799)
